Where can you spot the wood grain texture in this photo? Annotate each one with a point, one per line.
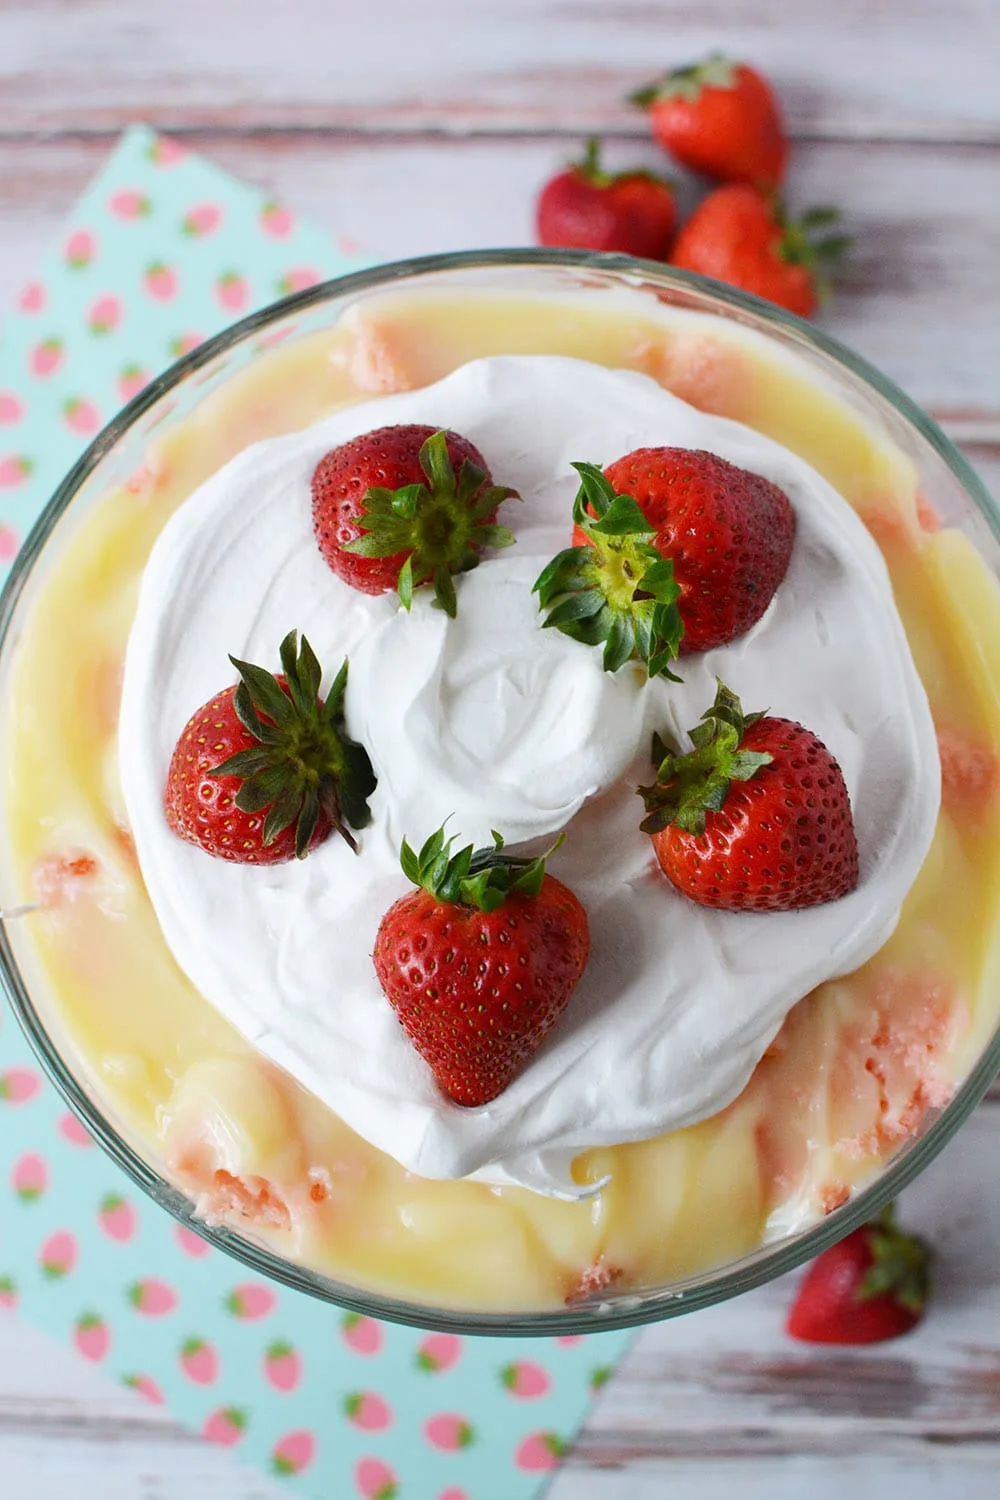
(920, 297)
(912, 69)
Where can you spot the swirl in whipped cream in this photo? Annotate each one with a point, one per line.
(497, 723)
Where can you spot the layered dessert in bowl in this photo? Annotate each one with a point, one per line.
(618, 1063)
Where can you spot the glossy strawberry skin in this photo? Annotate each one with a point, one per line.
(733, 236)
(200, 808)
(735, 134)
(728, 532)
(478, 992)
(387, 458)
(828, 1309)
(784, 839)
(633, 213)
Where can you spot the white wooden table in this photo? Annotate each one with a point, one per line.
(427, 126)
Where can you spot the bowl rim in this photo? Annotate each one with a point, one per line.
(626, 1310)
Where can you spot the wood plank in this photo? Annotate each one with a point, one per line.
(853, 70)
(920, 298)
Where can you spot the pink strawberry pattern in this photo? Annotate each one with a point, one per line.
(375, 1480)
(10, 542)
(251, 1301)
(32, 299)
(449, 1431)
(361, 1334)
(199, 1361)
(276, 220)
(184, 343)
(164, 152)
(201, 220)
(46, 357)
(144, 1386)
(282, 1366)
(129, 203)
(293, 1453)
(232, 292)
(92, 1337)
(192, 1244)
(297, 280)
(58, 1256)
(74, 1132)
(454, 1493)
(14, 470)
(117, 1218)
(151, 1297)
(81, 415)
(540, 1451)
(11, 409)
(8, 1293)
(437, 1352)
(225, 1426)
(104, 315)
(80, 249)
(161, 281)
(131, 380)
(367, 1411)
(525, 1379)
(30, 1177)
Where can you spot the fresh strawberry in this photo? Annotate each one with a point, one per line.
(871, 1286)
(389, 513)
(269, 744)
(588, 208)
(479, 962)
(675, 551)
(739, 236)
(721, 118)
(755, 818)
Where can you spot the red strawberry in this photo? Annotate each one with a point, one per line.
(738, 236)
(269, 743)
(755, 818)
(479, 962)
(588, 208)
(870, 1287)
(719, 117)
(389, 513)
(675, 551)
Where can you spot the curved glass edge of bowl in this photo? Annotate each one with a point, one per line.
(629, 1309)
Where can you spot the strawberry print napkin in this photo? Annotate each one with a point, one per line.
(162, 251)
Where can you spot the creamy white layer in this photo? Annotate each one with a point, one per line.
(498, 724)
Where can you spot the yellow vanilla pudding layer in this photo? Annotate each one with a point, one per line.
(852, 1074)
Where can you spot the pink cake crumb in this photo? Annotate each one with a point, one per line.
(374, 360)
(253, 1198)
(968, 771)
(57, 877)
(594, 1280)
(699, 370)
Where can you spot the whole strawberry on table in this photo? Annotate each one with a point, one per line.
(264, 771)
(406, 507)
(586, 207)
(675, 550)
(871, 1286)
(479, 962)
(719, 117)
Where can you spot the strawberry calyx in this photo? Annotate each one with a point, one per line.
(900, 1265)
(479, 878)
(716, 72)
(441, 524)
(303, 762)
(802, 244)
(589, 168)
(688, 786)
(618, 589)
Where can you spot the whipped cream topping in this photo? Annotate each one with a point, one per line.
(493, 722)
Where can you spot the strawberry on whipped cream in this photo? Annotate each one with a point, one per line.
(493, 722)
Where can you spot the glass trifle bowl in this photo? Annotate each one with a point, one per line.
(680, 1136)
